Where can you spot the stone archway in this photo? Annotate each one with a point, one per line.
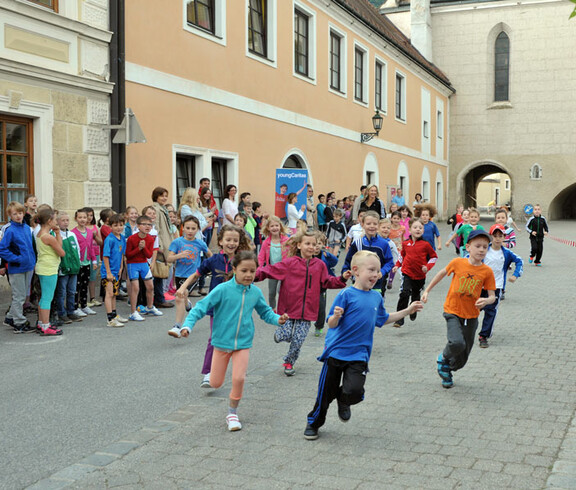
(470, 177)
(563, 206)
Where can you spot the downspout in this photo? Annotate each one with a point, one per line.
(117, 103)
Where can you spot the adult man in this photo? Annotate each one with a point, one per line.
(205, 182)
(357, 203)
(311, 214)
(399, 198)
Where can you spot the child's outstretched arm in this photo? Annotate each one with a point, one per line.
(267, 313)
(182, 291)
(441, 274)
(482, 302)
(199, 311)
(272, 271)
(414, 307)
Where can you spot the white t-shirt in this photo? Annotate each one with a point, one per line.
(495, 260)
(355, 231)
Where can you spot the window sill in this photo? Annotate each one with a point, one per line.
(306, 78)
(193, 29)
(504, 104)
(344, 95)
(261, 59)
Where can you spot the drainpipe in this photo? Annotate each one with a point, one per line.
(117, 102)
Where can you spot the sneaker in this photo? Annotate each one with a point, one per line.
(233, 422)
(539, 264)
(188, 305)
(80, 313)
(56, 322)
(397, 325)
(94, 302)
(9, 322)
(136, 317)
(344, 412)
(121, 319)
(74, 317)
(310, 433)
(195, 294)
(65, 320)
(141, 309)
(502, 296)
(389, 285)
(288, 369)
(24, 328)
(88, 310)
(531, 259)
(203, 291)
(122, 293)
(175, 332)
(114, 323)
(169, 297)
(154, 311)
(413, 316)
(483, 342)
(205, 381)
(444, 372)
(318, 332)
(50, 330)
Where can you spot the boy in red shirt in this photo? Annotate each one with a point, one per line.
(463, 303)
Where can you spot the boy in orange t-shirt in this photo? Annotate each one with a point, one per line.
(463, 303)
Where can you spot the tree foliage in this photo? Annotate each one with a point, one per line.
(573, 14)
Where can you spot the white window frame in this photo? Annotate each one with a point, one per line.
(439, 128)
(383, 85)
(365, 75)
(343, 61)
(311, 78)
(271, 58)
(219, 36)
(403, 118)
(536, 175)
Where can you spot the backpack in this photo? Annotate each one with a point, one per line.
(70, 263)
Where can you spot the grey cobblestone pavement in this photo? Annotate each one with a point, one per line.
(507, 423)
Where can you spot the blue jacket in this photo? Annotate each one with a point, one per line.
(233, 303)
(379, 246)
(17, 248)
(329, 259)
(510, 257)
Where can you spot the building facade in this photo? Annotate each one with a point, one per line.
(513, 65)
(54, 100)
(234, 90)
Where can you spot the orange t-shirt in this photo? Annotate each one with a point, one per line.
(466, 286)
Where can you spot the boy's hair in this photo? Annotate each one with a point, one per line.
(45, 215)
(384, 221)
(15, 206)
(425, 207)
(256, 205)
(28, 196)
(204, 179)
(360, 257)
(244, 255)
(414, 220)
(301, 225)
(157, 192)
(61, 214)
(191, 218)
(291, 196)
(141, 219)
(284, 185)
(115, 219)
(146, 208)
(105, 215)
(473, 210)
(320, 196)
(243, 244)
(361, 214)
(362, 187)
(370, 214)
(501, 211)
(338, 212)
(273, 219)
(243, 216)
(244, 195)
(295, 240)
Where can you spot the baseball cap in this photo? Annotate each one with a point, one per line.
(497, 227)
(478, 233)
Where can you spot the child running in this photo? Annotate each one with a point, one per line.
(273, 250)
(356, 311)
(538, 229)
(463, 303)
(231, 240)
(233, 328)
(466, 228)
(395, 236)
(417, 257)
(331, 261)
(426, 213)
(405, 217)
(303, 278)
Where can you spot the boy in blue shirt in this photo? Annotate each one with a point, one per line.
(112, 262)
(353, 316)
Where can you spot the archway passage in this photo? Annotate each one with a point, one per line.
(475, 194)
(563, 206)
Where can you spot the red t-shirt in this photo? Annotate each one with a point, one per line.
(133, 254)
(280, 205)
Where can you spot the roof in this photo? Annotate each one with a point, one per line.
(404, 5)
(379, 23)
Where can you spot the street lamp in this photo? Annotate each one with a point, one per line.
(377, 124)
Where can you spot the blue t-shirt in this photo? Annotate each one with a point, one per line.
(431, 231)
(352, 339)
(114, 249)
(320, 213)
(189, 265)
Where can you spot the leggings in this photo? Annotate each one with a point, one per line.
(82, 286)
(48, 285)
(220, 362)
(293, 331)
(209, 352)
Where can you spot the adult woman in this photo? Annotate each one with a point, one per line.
(209, 212)
(229, 206)
(372, 202)
(162, 225)
(417, 200)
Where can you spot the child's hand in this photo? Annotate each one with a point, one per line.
(416, 306)
(395, 269)
(109, 277)
(481, 303)
(447, 244)
(440, 246)
(347, 275)
(338, 312)
(141, 244)
(424, 268)
(184, 332)
(512, 278)
(533, 233)
(3, 271)
(94, 266)
(424, 297)
(303, 208)
(182, 292)
(283, 319)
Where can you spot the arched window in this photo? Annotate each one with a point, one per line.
(293, 162)
(502, 67)
(536, 172)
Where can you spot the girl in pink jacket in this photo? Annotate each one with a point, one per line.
(303, 276)
(273, 250)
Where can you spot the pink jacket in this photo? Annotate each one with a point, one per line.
(264, 255)
(302, 282)
(85, 244)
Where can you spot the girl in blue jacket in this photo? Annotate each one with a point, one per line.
(233, 302)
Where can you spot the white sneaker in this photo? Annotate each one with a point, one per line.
(233, 422)
(175, 332)
(136, 317)
(154, 311)
(188, 305)
(114, 323)
(79, 312)
(121, 319)
(205, 381)
(88, 311)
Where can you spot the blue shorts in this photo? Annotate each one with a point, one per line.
(139, 270)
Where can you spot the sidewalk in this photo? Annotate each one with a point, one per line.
(507, 423)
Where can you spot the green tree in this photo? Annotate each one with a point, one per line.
(573, 14)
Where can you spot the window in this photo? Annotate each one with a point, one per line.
(185, 173)
(200, 13)
(380, 86)
(219, 179)
(501, 67)
(335, 62)
(360, 74)
(257, 27)
(506, 184)
(51, 4)
(400, 97)
(425, 129)
(16, 176)
(536, 172)
(301, 40)
(440, 124)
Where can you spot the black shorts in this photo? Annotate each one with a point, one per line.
(178, 281)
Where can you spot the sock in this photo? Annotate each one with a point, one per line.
(232, 411)
(111, 315)
(114, 313)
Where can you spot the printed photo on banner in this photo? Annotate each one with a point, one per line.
(289, 181)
